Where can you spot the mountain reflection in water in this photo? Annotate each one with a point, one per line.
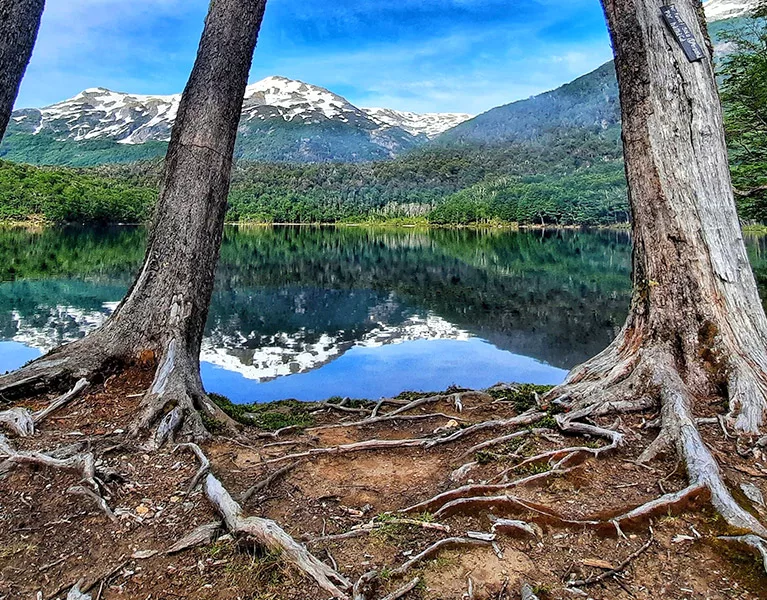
(311, 312)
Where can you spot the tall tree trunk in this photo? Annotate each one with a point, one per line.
(19, 24)
(696, 328)
(163, 315)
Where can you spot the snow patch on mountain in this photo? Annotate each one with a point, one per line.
(99, 113)
(718, 10)
(429, 124)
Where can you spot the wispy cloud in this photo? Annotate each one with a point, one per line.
(424, 55)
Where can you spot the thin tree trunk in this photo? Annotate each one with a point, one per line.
(19, 24)
(162, 318)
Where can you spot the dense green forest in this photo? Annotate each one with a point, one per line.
(555, 184)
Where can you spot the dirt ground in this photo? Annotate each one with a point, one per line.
(51, 539)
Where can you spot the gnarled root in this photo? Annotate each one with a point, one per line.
(82, 464)
(656, 369)
(22, 421)
(267, 533)
(176, 399)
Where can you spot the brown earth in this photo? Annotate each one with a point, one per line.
(50, 539)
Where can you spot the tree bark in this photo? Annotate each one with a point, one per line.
(696, 329)
(695, 297)
(162, 317)
(19, 24)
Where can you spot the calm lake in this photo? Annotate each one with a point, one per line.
(310, 313)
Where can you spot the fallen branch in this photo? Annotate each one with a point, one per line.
(620, 568)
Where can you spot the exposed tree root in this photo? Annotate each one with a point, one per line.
(265, 483)
(471, 491)
(434, 549)
(399, 592)
(176, 399)
(496, 442)
(512, 526)
(96, 498)
(82, 464)
(753, 541)
(384, 419)
(350, 448)
(372, 526)
(22, 421)
(201, 536)
(269, 534)
(528, 418)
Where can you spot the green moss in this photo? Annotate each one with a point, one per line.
(523, 396)
(270, 416)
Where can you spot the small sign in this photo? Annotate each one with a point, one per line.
(682, 33)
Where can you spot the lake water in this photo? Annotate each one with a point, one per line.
(310, 313)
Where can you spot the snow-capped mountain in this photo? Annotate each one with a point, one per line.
(428, 124)
(282, 119)
(718, 10)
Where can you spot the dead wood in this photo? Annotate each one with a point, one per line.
(612, 572)
(201, 536)
(267, 533)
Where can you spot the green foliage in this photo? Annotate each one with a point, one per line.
(64, 195)
(743, 73)
(45, 150)
(595, 196)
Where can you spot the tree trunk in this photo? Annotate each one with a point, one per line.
(696, 327)
(162, 318)
(19, 24)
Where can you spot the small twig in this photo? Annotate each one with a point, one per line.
(265, 483)
(409, 586)
(204, 465)
(622, 567)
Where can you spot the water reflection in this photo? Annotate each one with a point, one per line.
(314, 312)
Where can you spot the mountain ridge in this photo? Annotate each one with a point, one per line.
(271, 104)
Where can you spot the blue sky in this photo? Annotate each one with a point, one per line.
(421, 55)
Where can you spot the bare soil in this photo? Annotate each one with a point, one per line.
(50, 539)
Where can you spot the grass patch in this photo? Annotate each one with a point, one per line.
(270, 416)
(523, 396)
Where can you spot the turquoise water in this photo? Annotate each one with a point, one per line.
(310, 313)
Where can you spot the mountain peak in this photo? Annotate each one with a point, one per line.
(322, 124)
